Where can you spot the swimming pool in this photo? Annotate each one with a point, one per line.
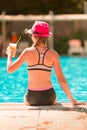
(13, 86)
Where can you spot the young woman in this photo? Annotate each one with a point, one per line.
(40, 61)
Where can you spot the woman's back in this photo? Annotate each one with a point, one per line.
(40, 62)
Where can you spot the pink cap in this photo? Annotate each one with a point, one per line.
(41, 29)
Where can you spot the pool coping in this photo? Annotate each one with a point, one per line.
(64, 116)
(60, 106)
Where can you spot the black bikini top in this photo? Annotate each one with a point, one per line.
(40, 66)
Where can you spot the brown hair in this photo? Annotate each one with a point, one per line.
(41, 40)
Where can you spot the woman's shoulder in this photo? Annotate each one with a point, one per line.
(54, 55)
(53, 52)
(29, 49)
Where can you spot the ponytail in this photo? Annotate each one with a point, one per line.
(40, 40)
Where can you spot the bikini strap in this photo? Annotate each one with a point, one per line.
(38, 55)
(43, 55)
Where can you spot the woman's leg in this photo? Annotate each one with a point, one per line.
(55, 102)
(26, 102)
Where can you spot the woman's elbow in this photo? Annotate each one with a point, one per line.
(9, 70)
(62, 80)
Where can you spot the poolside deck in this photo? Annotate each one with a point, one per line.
(61, 117)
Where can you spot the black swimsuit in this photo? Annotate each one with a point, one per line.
(40, 97)
(37, 98)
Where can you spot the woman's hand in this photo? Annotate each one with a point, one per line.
(74, 102)
(8, 51)
(11, 52)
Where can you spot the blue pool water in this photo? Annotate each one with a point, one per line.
(14, 86)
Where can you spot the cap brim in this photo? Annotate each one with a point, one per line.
(38, 34)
